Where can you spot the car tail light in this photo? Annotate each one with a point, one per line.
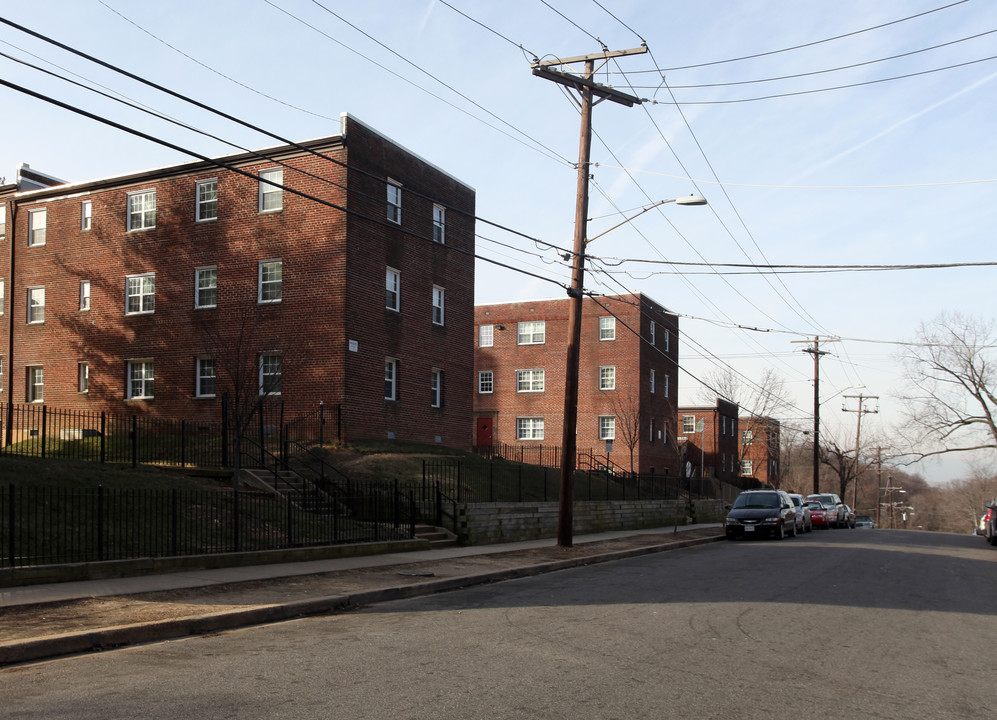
(986, 518)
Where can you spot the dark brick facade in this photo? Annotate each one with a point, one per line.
(713, 451)
(644, 339)
(760, 443)
(330, 326)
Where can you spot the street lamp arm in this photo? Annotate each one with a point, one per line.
(684, 200)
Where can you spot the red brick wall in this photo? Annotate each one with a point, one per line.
(333, 280)
(632, 358)
(718, 446)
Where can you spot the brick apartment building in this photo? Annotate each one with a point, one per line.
(710, 440)
(760, 444)
(159, 291)
(627, 382)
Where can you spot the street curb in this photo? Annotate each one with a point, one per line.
(161, 630)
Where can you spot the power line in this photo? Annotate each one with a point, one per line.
(810, 44)
(827, 89)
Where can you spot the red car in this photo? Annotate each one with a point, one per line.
(818, 514)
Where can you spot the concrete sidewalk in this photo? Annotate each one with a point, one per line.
(44, 621)
(62, 592)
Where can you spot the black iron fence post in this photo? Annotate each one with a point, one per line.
(11, 535)
(174, 522)
(183, 443)
(134, 441)
(411, 515)
(44, 428)
(236, 544)
(103, 437)
(225, 430)
(100, 522)
(396, 519)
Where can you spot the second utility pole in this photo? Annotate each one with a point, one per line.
(587, 89)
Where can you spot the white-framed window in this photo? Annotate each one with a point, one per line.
(486, 382)
(746, 437)
(141, 210)
(84, 294)
(439, 224)
(390, 379)
(1, 372)
(651, 381)
(746, 468)
(651, 427)
(140, 294)
(438, 299)
(530, 428)
(666, 388)
(83, 377)
(607, 377)
(207, 200)
(36, 384)
(271, 194)
(607, 427)
(271, 281)
(207, 373)
(486, 335)
(36, 305)
(141, 379)
(271, 373)
(206, 287)
(37, 223)
(393, 289)
(394, 202)
(668, 339)
(688, 424)
(653, 332)
(530, 380)
(532, 332)
(3, 220)
(86, 215)
(436, 388)
(607, 328)
(3, 296)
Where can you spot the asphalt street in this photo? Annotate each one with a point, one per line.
(886, 624)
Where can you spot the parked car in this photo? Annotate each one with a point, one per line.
(818, 513)
(803, 521)
(849, 518)
(833, 503)
(981, 526)
(865, 521)
(761, 512)
(990, 528)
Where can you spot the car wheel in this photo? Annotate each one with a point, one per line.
(793, 534)
(780, 533)
(810, 527)
(992, 539)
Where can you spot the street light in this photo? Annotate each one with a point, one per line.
(565, 516)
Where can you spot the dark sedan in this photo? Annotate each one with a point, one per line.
(761, 512)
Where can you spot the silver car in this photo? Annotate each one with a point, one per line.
(803, 521)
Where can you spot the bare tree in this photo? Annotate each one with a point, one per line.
(759, 399)
(626, 406)
(948, 401)
(248, 372)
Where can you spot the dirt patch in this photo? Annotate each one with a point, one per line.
(34, 621)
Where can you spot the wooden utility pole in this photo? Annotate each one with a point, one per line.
(858, 429)
(816, 352)
(587, 89)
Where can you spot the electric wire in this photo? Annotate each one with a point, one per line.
(240, 171)
(822, 90)
(660, 70)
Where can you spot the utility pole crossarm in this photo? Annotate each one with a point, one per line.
(578, 83)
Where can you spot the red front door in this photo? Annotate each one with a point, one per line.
(484, 432)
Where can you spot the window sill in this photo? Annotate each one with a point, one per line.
(202, 221)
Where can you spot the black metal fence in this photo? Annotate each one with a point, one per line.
(499, 481)
(88, 435)
(44, 525)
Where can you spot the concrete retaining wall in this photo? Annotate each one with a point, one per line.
(487, 523)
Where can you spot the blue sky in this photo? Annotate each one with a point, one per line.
(880, 173)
